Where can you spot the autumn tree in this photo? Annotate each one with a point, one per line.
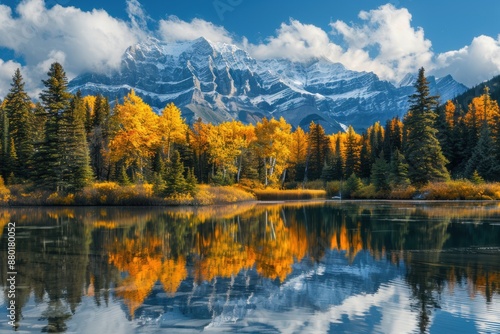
(298, 154)
(272, 147)
(171, 127)
(136, 138)
(352, 152)
(422, 149)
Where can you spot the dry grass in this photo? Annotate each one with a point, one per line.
(283, 195)
(461, 190)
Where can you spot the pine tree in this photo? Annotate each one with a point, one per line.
(48, 159)
(18, 109)
(422, 148)
(380, 174)
(318, 150)
(76, 170)
(398, 170)
(175, 180)
(99, 138)
(483, 157)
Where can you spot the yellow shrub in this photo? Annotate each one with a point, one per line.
(4, 192)
(58, 199)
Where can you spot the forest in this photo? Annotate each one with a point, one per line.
(67, 144)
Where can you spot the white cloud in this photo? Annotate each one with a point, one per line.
(298, 42)
(174, 29)
(82, 41)
(396, 48)
(7, 69)
(474, 63)
(385, 44)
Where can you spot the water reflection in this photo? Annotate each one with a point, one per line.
(297, 267)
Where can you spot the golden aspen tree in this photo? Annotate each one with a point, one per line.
(137, 135)
(272, 146)
(171, 127)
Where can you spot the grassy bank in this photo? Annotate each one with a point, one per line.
(110, 193)
(450, 190)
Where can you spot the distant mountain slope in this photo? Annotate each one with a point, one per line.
(466, 97)
(219, 82)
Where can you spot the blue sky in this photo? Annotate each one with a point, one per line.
(389, 38)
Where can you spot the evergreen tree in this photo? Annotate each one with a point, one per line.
(175, 180)
(352, 184)
(99, 138)
(422, 148)
(380, 174)
(337, 162)
(365, 161)
(75, 161)
(49, 159)
(18, 109)
(398, 170)
(318, 150)
(483, 157)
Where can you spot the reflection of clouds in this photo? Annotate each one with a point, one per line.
(460, 303)
(91, 319)
(392, 301)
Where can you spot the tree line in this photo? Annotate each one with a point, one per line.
(67, 141)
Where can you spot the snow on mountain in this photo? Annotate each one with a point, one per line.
(219, 82)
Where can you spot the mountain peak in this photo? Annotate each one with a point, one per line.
(220, 82)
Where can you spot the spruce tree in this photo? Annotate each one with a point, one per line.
(174, 178)
(483, 157)
(398, 170)
(99, 138)
(318, 150)
(422, 149)
(380, 174)
(49, 159)
(76, 171)
(18, 108)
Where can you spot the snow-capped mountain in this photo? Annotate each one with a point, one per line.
(219, 82)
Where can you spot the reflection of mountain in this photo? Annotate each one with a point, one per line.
(270, 268)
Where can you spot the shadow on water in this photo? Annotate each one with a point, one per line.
(315, 267)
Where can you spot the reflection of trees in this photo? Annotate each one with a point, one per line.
(50, 261)
(160, 246)
(279, 247)
(141, 257)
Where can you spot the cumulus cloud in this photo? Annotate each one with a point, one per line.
(385, 43)
(472, 64)
(7, 69)
(82, 41)
(298, 42)
(388, 42)
(174, 29)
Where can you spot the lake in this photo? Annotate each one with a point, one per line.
(301, 267)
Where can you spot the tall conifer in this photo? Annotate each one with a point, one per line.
(422, 149)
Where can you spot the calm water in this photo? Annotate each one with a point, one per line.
(320, 267)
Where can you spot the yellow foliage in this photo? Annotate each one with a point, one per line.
(4, 192)
(171, 127)
(138, 135)
(58, 199)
